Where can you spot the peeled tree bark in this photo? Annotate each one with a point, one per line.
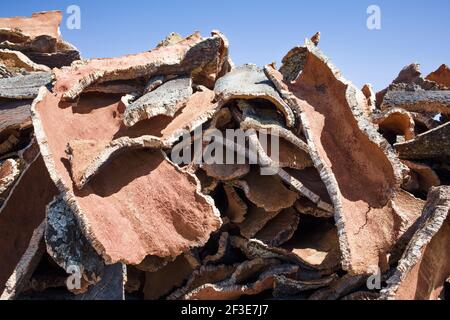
(341, 136)
(320, 187)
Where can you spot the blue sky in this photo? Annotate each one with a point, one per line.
(263, 31)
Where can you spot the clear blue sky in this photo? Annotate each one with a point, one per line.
(263, 31)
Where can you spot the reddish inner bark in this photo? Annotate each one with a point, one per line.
(364, 175)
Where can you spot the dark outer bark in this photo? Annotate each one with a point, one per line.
(433, 144)
(421, 100)
(24, 87)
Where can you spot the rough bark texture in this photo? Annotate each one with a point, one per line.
(108, 171)
(425, 264)
(111, 287)
(364, 216)
(21, 216)
(42, 23)
(286, 287)
(190, 54)
(433, 144)
(236, 286)
(9, 172)
(67, 244)
(250, 82)
(133, 172)
(421, 100)
(24, 87)
(16, 60)
(164, 100)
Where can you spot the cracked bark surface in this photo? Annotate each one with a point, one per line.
(140, 167)
(325, 100)
(111, 287)
(89, 174)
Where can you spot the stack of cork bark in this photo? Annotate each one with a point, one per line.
(350, 200)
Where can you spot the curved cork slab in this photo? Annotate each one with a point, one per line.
(236, 208)
(249, 82)
(437, 101)
(22, 225)
(125, 205)
(17, 60)
(183, 57)
(359, 168)
(167, 99)
(396, 121)
(441, 76)
(267, 192)
(423, 177)
(318, 247)
(240, 283)
(280, 228)
(425, 264)
(163, 281)
(285, 287)
(39, 39)
(203, 275)
(433, 144)
(255, 220)
(298, 185)
(41, 23)
(87, 157)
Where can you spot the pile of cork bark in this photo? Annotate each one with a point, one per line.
(93, 205)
